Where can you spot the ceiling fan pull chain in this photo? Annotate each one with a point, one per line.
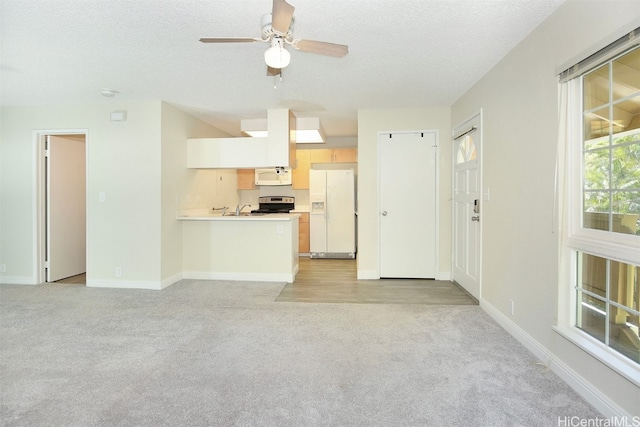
(275, 79)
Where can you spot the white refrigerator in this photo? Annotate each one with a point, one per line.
(332, 213)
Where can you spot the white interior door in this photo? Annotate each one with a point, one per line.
(66, 207)
(467, 212)
(408, 204)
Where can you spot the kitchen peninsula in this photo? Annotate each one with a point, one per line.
(245, 247)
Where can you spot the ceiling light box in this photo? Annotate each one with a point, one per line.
(308, 129)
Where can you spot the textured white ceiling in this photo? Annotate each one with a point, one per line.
(402, 54)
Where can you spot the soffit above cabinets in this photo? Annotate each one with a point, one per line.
(276, 149)
(308, 130)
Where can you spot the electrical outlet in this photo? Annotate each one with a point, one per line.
(118, 271)
(3, 268)
(279, 229)
(511, 307)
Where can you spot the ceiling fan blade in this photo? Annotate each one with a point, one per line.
(229, 40)
(274, 71)
(323, 48)
(281, 16)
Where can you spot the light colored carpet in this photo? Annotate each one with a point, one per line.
(219, 353)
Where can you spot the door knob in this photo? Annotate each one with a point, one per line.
(475, 218)
(384, 213)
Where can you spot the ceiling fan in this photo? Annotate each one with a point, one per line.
(277, 29)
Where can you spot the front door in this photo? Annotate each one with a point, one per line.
(408, 204)
(467, 212)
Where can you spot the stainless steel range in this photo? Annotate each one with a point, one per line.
(275, 204)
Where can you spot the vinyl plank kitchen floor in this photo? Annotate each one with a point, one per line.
(335, 281)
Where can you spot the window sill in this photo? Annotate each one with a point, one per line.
(619, 363)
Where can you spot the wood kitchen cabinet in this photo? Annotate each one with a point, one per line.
(300, 177)
(336, 155)
(247, 179)
(303, 233)
(345, 155)
(306, 158)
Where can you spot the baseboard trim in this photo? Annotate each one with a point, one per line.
(590, 393)
(444, 275)
(170, 280)
(518, 333)
(156, 286)
(577, 382)
(368, 275)
(374, 275)
(247, 277)
(17, 280)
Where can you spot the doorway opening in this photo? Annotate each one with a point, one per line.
(61, 205)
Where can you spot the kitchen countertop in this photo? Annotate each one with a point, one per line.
(242, 217)
(246, 247)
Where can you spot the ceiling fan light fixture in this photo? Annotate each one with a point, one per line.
(277, 56)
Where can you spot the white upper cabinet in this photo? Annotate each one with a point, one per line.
(277, 149)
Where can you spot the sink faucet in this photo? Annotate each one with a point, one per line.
(223, 209)
(239, 209)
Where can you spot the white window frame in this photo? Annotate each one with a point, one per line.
(611, 245)
(618, 246)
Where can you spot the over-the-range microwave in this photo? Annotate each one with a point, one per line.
(273, 176)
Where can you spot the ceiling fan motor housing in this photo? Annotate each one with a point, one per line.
(267, 29)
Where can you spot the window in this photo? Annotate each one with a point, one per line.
(607, 303)
(611, 150)
(466, 150)
(607, 290)
(601, 244)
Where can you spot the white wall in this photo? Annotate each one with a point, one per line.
(519, 102)
(184, 188)
(370, 122)
(140, 165)
(123, 162)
